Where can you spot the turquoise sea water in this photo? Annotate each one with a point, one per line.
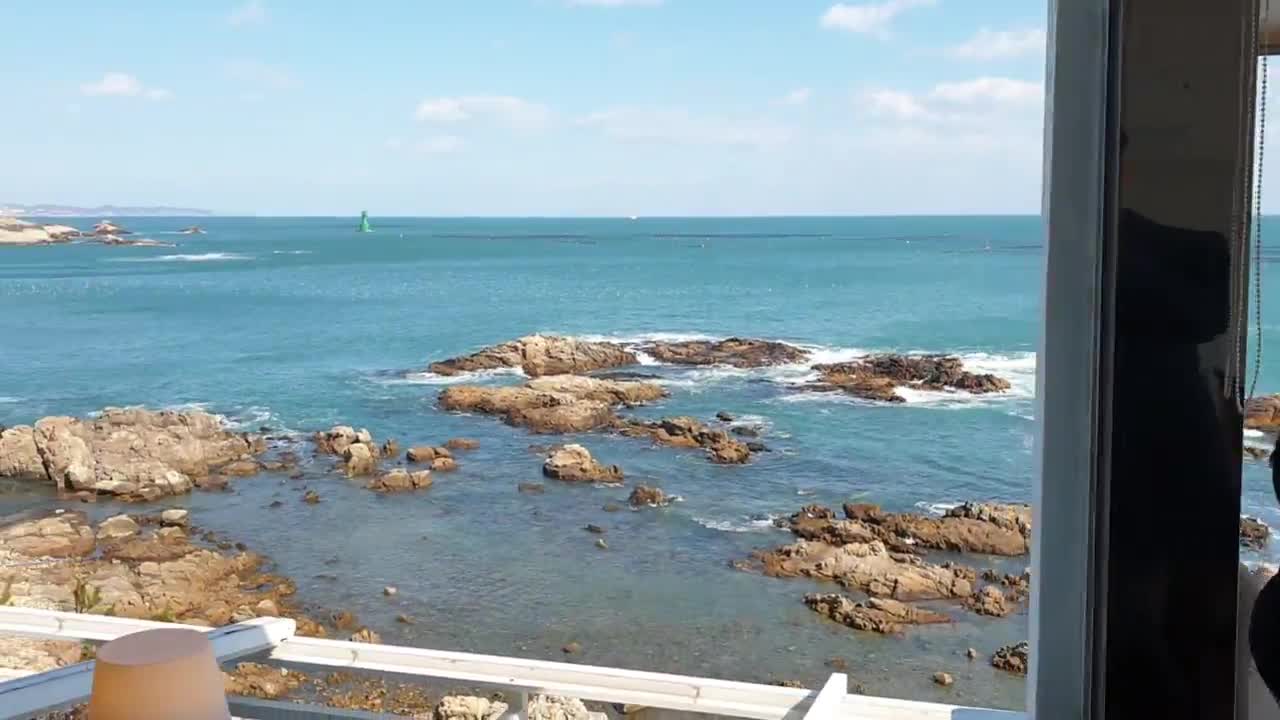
(300, 324)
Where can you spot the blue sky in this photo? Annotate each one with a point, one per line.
(526, 107)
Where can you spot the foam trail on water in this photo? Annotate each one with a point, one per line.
(202, 257)
(753, 524)
(430, 378)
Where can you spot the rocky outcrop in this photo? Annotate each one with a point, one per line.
(877, 377)
(250, 679)
(1013, 658)
(875, 615)
(137, 576)
(573, 463)
(989, 601)
(690, 433)
(400, 480)
(357, 452)
(737, 352)
(135, 453)
(1263, 413)
(426, 453)
(870, 568)
(106, 227)
(539, 355)
(645, 496)
(1254, 533)
(560, 404)
(985, 528)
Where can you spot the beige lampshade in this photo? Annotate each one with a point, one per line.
(164, 674)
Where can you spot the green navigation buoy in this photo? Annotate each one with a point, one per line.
(364, 221)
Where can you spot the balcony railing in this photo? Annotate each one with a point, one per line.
(663, 696)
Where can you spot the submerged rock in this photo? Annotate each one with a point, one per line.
(690, 433)
(574, 463)
(539, 355)
(737, 352)
(462, 444)
(875, 615)
(877, 377)
(132, 452)
(645, 496)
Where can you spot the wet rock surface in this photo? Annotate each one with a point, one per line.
(538, 355)
(736, 352)
(877, 377)
(134, 453)
(357, 452)
(689, 432)
(1013, 658)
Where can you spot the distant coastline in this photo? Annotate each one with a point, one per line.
(52, 210)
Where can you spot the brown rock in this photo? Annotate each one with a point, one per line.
(239, 468)
(877, 377)
(539, 355)
(1009, 517)
(572, 648)
(723, 416)
(557, 404)
(838, 664)
(1254, 533)
(971, 654)
(344, 620)
(420, 454)
(261, 681)
(531, 488)
(59, 536)
(464, 707)
(136, 453)
(870, 568)
(462, 444)
(311, 497)
(444, 464)
(405, 619)
(645, 496)
(1013, 658)
(390, 448)
(594, 529)
(989, 601)
(875, 615)
(359, 459)
(1263, 413)
(400, 480)
(690, 433)
(865, 512)
(573, 463)
(365, 635)
(737, 352)
(943, 679)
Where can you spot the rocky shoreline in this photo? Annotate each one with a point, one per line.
(15, 232)
(161, 566)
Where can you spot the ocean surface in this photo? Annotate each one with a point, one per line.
(300, 324)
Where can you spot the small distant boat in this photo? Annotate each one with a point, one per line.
(193, 230)
(633, 217)
(364, 222)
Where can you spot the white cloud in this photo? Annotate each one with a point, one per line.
(898, 104)
(989, 90)
(990, 44)
(612, 3)
(868, 18)
(799, 96)
(260, 76)
(250, 13)
(504, 110)
(118, 84)
(680, 127)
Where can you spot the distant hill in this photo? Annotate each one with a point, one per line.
(99, 211)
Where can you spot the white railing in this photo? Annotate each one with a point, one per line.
(665, 696)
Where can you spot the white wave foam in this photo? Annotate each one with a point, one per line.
(430, 378)
(290, 252)
(937, 508)
(1251, 433)
(641, 338)
(755, 524)
(6, 399)
(202, 257)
